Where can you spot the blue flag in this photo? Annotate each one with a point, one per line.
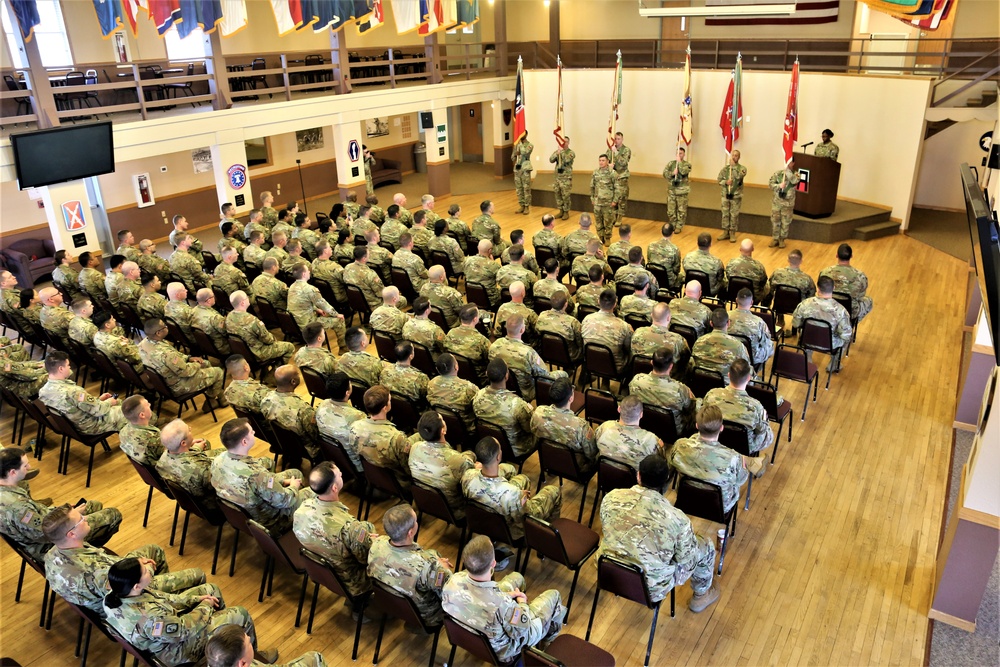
(26, 13)
(109, 16)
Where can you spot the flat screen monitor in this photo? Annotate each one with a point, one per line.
(985, 236)
(63, 154)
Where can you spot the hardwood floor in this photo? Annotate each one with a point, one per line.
(832, 565)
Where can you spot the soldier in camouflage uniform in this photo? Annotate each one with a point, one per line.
(447, 390)
(343, 246)
(521, 157)
(624, 243)
(365, 279)
(356, 362)
(642, 527)
(420, 329)
(743, 322)
(500, 610)
(402, 378)
(325, 526)
(256, 224)
(703, 260)
(23, 378)
(187, 267)
(9, 294)
(114, 278)
(205, 318)
(91, 275)
(516, 306)
(500, 406)
(92, 415)
(738, 406)
(150, 262)
(377, 213)
(594, 256)
(485, 228)
(351, 205)
(232, 236)
(647, 340)
(638, 303)
(130, 288)
(468, 341)
(227, 277)
(689, 310)
(550, 284)
(624, 440)
(77, 570)
(378, 440)
(558, 322)
(783, 186)
(139, 438)
(824, 307)
(515, 271)
(745, 266)
(393, 227)
(177, 308)
(482, 269)
(269, 498)
(324, 268)
(827, 148)
(80, 328)
(660, 389)
(458, 228)
(442, 242)
(562, 183)
(116, 346)
(379, 259)
(180, 229)
(21, 515)
(315, 354)
(793, 276)
(277, 251)
(307, 305)
(399, 562)
(548, 238)
(55, 316)
(590, 294)
(559, 424)
(850, 280)
(182, 373)
(731, 181)
(230, 645)
(388, 318)
(704, 458)
(405, 259)
(267, 286)
(442, 295)
(522, 360)
(433, 462)
(268, 216)
(151, 304)
(254, 254)
(528, 260)
(664, 253)
(422, 234)
(335, 415)
(361, 224)
(618, 157)
(605, 193)
(508, 497)
(289, 410)
(187, 462)
(677, 172)
(245, 325)
(614, 333)
(244, 392)
(715, 351)
(63, 274)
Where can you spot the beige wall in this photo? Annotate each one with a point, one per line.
(976, 18)
(603, 19)
(527, 21)
(84, 33)
(117, 189)
(937, 186)
(17, 211)
(5, 60)
(489, 108)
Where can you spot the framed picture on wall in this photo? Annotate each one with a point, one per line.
(309, 140)
(377, 127)
(143, 190)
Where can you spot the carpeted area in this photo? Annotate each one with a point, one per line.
(948, 231)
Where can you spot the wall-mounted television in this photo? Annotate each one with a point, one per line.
(63, 154)
(985, 234)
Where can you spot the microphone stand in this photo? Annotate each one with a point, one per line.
(305, 207)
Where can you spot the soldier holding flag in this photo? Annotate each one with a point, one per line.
(521, 156)
(562, 157)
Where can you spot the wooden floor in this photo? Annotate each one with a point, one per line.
(832, 565)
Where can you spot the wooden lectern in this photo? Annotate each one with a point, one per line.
(816, 196)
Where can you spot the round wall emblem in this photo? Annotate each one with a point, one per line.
(237, 176)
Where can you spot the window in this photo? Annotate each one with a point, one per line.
(258, 151)
(191, 47)
(50, 34)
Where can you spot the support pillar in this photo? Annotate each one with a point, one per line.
(438, 155)
(43, 102)
(347, 143)
(67, 209)
(232, 180)
(503, 138)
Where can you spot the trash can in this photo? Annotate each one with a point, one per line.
(420, 157)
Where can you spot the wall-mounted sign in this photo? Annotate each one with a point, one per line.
(354, 150)
(237, 175)
(73, 215)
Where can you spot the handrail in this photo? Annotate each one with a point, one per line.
(970, 84)
(993, 54)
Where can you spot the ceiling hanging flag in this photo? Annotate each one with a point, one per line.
(164, 14)
(791, 134)
(283, 17)
(109, 16)
(373, 19)
(407, 15)
(616, 100)
(560, 121)
(26, 13)
(519, 121)
(234, 17)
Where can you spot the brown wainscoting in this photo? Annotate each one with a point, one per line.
(200, 207)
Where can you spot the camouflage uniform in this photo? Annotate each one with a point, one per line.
(141, 443)
(90, 415)
(279, 254)
(471, 344)
(12, 351)
(255, 334)
(647, 340)
(677, 192)
(380, 442)
(642, 527)
(334, 419)
(618, 160)
(230, 279)
(829, 311)
(524, 363)
(252, 227)
(269, 216)
(504, 496)
(612, 332)
(196, 244)
(422, 237)
(793, 277)
(510, 626)
(504, 313)
(745, 323)
(210, 322)
(550, 239)
(377, 215)
(563, 181)
(319, 359)
(92, 282)
(522, 172)
(427, 333)
(151, 305)
(249, 483)
(706, 262)
(192, 471)
(391, 230)
(361, 226)
(352, 208)
(628, 444)
(69, 278)
(23, 378)
(328, 528)
(308, 238)
(293, 413)
(112, 282)
(849, 280)
(342, 251)
(782, 202)
(482, 270)
(412, 571)
(303, 302)
(388, 319)
(439, 466)
(456, 394)
(332, 273)
(460, 229)
(175, 626)
(406, 381)
(508, 411)
(128, 291)
(119, 347)
(361, 366)
(510, 273)
(581, 267)
(566, 327)
(270, 288)
(156, 265)
(406, 217)
(732, 197)
(81, 330)
(564, 427)
(380, 261)
(575, 243)
(246, 395)
(55, 320)
(669, 394)
(189, 270)
(691, 313)
(181, 313)
(710, 462)
(828, 150)
(641, 306)
(716, 351)
(605, 192)
(412, 264)
(546, 287)
(738, 406)
(253, 255)
(754, 271)
(445, 297)
(620, 250)
(233, 242)
(667, 255)
(590, 294)
(366, 280)
(180, 374)
(485, 227)
(21, 520)
(627, 275)
(450, 247)
(80, 575)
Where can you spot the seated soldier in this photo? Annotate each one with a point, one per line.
(745, 266)
(92, 415)
(190, 270)
(689, 311)
(420, 329)
(23, 378)
(357, 362)
(528, 260)
(468, 341)
(248, 327)
(550, 284)
(642, 527)
(325, 526)
(315, 354)
(109, 340)
(254, 254)
(646, 340)
(629, 274)
(130, 288)
(659, 388)
(379, 259)
(703, 260)
(624, 440)
(150, 262)
(849, 280)
(624, 243)
(181, 373)
(511, 497)
(405, 259)
(21, 515)
(326, 269)
(267, 286)
(442, 296)
(269, 498)
(716, 350)
(63, 274)
(231, 646)
(738, 406)
(590, 294)
(228, 278)
(638, 303)
(443, 242)
(306, 305)
(289, 410)
(604, 328)
(55, 316)
(516, 271)
(447, 390)
(594, 256)
(80, 328)
(244, 392)
(824, 307)
(209, 321)
(177, 307)
(558, 322)
(140, 439)
(434, 463)
(91, 276)
(77, 568)
(500, 610)
(114, 278)
(517, 306)
(482, 269)
(403, 379)
(498, 405)
(151, 304)
(187, 462)
(559, 424)
(377, 439)
(335, 415)
(744, 322)
(399, 562)
(388, 318)
(362, 276)
(522, 360)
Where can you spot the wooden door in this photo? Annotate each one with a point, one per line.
(472, 132)
(931, 45)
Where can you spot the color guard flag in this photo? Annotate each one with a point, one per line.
(791, 134)
(732, 110)
(686, 131)
(519, 121)
(616, 100)
(558, 132)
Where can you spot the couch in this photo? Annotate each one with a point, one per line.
(386, 171)
(30, 260)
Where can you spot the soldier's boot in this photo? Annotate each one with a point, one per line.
(700, 603)
(564, 216)
(723, 236)
(268, 656)
(781, 243)
(732, 235)
(527, 209)
(773, 243)
(520, 208)
(756, 465)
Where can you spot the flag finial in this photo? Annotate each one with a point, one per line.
(619, 53)
(519, 59)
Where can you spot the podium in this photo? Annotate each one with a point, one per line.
(816, 194)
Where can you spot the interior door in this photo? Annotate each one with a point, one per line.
(472, 133)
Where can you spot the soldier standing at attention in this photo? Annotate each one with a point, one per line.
(731, 180)
(827, 148)
(369, 165)
(782, 184)
(563, 183)
(522, 172)
(676, 172)
(618, 157)
(604, 195)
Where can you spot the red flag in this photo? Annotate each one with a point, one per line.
(519, 121)
(726, 122)
(792, 115)
(732, 110)
(558, 132)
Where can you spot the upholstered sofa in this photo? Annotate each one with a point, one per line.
(30, 260)
(386, 171)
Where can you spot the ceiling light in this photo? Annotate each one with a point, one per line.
(718, 10)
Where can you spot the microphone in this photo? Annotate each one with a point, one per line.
(805, 146)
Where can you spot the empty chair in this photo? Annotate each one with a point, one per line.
(62, 425)
(404, 413)
(284, 549)
(792, 363)
(315, 384)
(385, 345)
(153, 480)
(477, 294)
(554, 351)
(401, 279)
(600, 361)
(432, 501)
(238, 519)
(611, 475)
(660, 421)
(700, 382)
(600, 406)
(701, 277)
(323, 574)
(786, 299)
(161, 387)
(557, 459)
(567, 542)
(778, 413)
(568, 651)
(383, 479)
(191, 505)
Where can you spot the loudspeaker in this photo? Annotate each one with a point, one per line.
(994, 161)
(426, 120)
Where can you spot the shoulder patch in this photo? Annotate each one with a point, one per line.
(28, 516)
(515, 615)
(157, 628)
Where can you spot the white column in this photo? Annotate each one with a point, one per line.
(232, 181)
(438, 155)
(67, 209)
(347, 142)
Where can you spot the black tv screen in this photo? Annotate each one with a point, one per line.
(63, 154)
(985, 236)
